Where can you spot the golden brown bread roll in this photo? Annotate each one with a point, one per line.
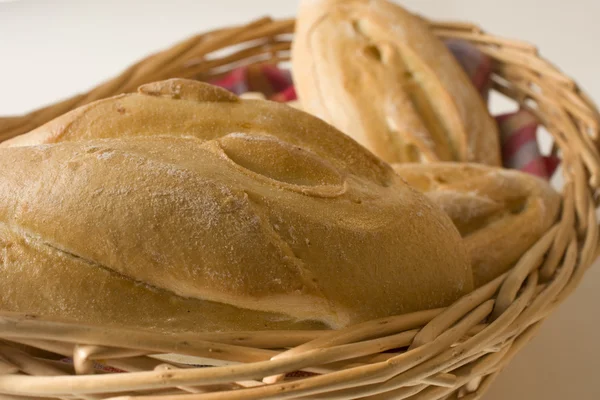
(277, 222)
(500, 213)
(378, 73)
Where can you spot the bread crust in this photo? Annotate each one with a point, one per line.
(377, 73)
(217, 214)
(500, 213)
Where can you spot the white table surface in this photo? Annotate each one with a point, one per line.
(53, 49)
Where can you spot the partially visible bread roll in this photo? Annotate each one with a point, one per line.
(277, 222)
(378, 73)
(500, 213)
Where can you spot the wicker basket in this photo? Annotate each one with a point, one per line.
(451, 353)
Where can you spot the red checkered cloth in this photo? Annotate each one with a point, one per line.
(520, 150)
(275, 83)
(518, 130)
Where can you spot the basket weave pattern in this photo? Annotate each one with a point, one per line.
(450, 353)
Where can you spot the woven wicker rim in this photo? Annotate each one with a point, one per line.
(448, 353)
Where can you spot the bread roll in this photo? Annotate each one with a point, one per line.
(378, 73)
(274, 223)
(500, 213)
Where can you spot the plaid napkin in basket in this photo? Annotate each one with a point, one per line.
(520, 150)
(518, 130)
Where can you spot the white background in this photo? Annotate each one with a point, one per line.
(53, 49)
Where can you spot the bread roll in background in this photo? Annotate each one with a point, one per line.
(267, 219)
(377, 73)
(500, 213)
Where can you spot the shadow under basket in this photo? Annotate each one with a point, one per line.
(450, 353)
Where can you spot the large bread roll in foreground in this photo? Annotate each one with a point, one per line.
(500, 213)
(251, 230)
(377, 73)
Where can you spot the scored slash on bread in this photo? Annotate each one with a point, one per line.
(378, 73)
(500, 213)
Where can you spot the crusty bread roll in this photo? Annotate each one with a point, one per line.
(500, 213)
(378, 73)
(278, 221)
